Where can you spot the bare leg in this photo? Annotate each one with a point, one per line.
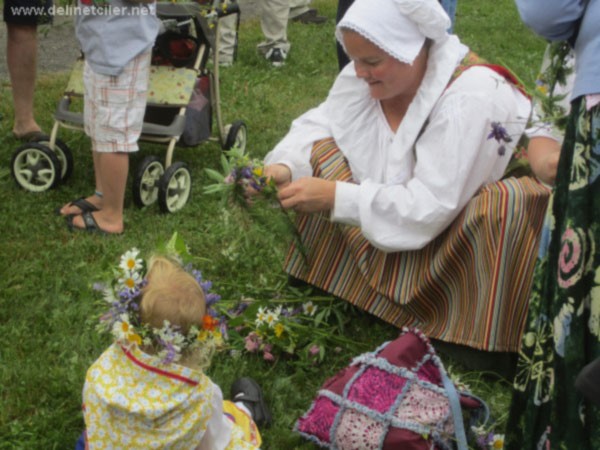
(21, 57)
(113, 169)
(94, 199)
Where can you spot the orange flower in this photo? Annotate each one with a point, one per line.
(209, 322)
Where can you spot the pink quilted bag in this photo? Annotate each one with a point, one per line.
(397, 397)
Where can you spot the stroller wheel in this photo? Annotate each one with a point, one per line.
(174, 187)
(236, 136)
(145, 182)
(35, 167)
(64, 154)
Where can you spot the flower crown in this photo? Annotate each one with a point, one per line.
(123, 320)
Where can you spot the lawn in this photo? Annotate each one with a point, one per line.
(48, 311)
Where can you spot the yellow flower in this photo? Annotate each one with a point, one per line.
(258, 171)
(218, 337)
(135, 338)
(279, 330)
(203, 335)
(498, 442)
(543, 88)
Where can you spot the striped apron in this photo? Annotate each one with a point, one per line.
(469, 286)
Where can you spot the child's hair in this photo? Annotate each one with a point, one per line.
(174, 295)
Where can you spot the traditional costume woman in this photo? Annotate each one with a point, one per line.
(422, 233)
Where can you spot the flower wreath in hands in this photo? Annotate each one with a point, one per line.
(123, 320)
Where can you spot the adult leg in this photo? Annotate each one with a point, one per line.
(21, 58)
(273, 22)
(112, 170)
(300, 11)
(298, 7)
(94, 199)
(227, 39)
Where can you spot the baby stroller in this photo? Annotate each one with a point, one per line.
(183, 94)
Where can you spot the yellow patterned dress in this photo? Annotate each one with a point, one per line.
(133, 401)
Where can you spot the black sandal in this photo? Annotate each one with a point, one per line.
(247, 391)
(80, 203)
(89, 222)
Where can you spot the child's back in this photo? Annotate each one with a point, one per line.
(147, 390)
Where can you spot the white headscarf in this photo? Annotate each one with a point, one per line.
(398, 27)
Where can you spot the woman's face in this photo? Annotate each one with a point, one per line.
(386, 76)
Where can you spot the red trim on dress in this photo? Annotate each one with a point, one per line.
(157, 370)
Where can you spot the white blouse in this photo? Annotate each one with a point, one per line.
(411, 184)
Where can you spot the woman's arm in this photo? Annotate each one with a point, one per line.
(543, 154)
(455, 157)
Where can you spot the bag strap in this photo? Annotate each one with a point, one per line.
(459, 426)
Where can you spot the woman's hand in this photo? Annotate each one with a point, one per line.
(308, 195)
(279, 173)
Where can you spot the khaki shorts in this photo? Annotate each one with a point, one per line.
(114, 106)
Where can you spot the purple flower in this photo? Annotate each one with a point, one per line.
(483, 440)
(212, 298)
(246, 172)
(255, 186)
(268, 356)
(98, 287)
(499, 133)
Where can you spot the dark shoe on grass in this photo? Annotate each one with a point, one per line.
(309, 17)
(247, 391)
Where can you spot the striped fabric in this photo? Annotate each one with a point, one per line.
(469, 286)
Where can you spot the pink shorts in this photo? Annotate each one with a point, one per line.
(114, 106)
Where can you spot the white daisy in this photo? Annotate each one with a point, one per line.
(108, 294)
(130, 280)
(271, 318)
(130, 261)
(122, 328)
(309, 308)
(261, 316)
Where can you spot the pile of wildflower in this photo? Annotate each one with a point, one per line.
(300, 330)
(123, 296)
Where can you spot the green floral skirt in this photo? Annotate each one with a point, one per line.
(562, 333)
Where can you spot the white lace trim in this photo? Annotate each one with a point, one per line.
(371, 38)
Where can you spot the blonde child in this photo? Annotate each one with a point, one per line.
(148, 389)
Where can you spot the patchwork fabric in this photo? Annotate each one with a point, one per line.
(387, 399)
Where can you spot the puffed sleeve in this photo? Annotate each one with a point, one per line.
(218, 430)
(294, 149)
(553, 19)
(454, 159)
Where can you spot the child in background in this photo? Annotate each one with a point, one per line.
(148, 389)
(116, 38)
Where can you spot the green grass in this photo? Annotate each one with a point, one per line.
(47, 308)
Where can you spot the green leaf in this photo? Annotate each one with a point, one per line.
(213, 174)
